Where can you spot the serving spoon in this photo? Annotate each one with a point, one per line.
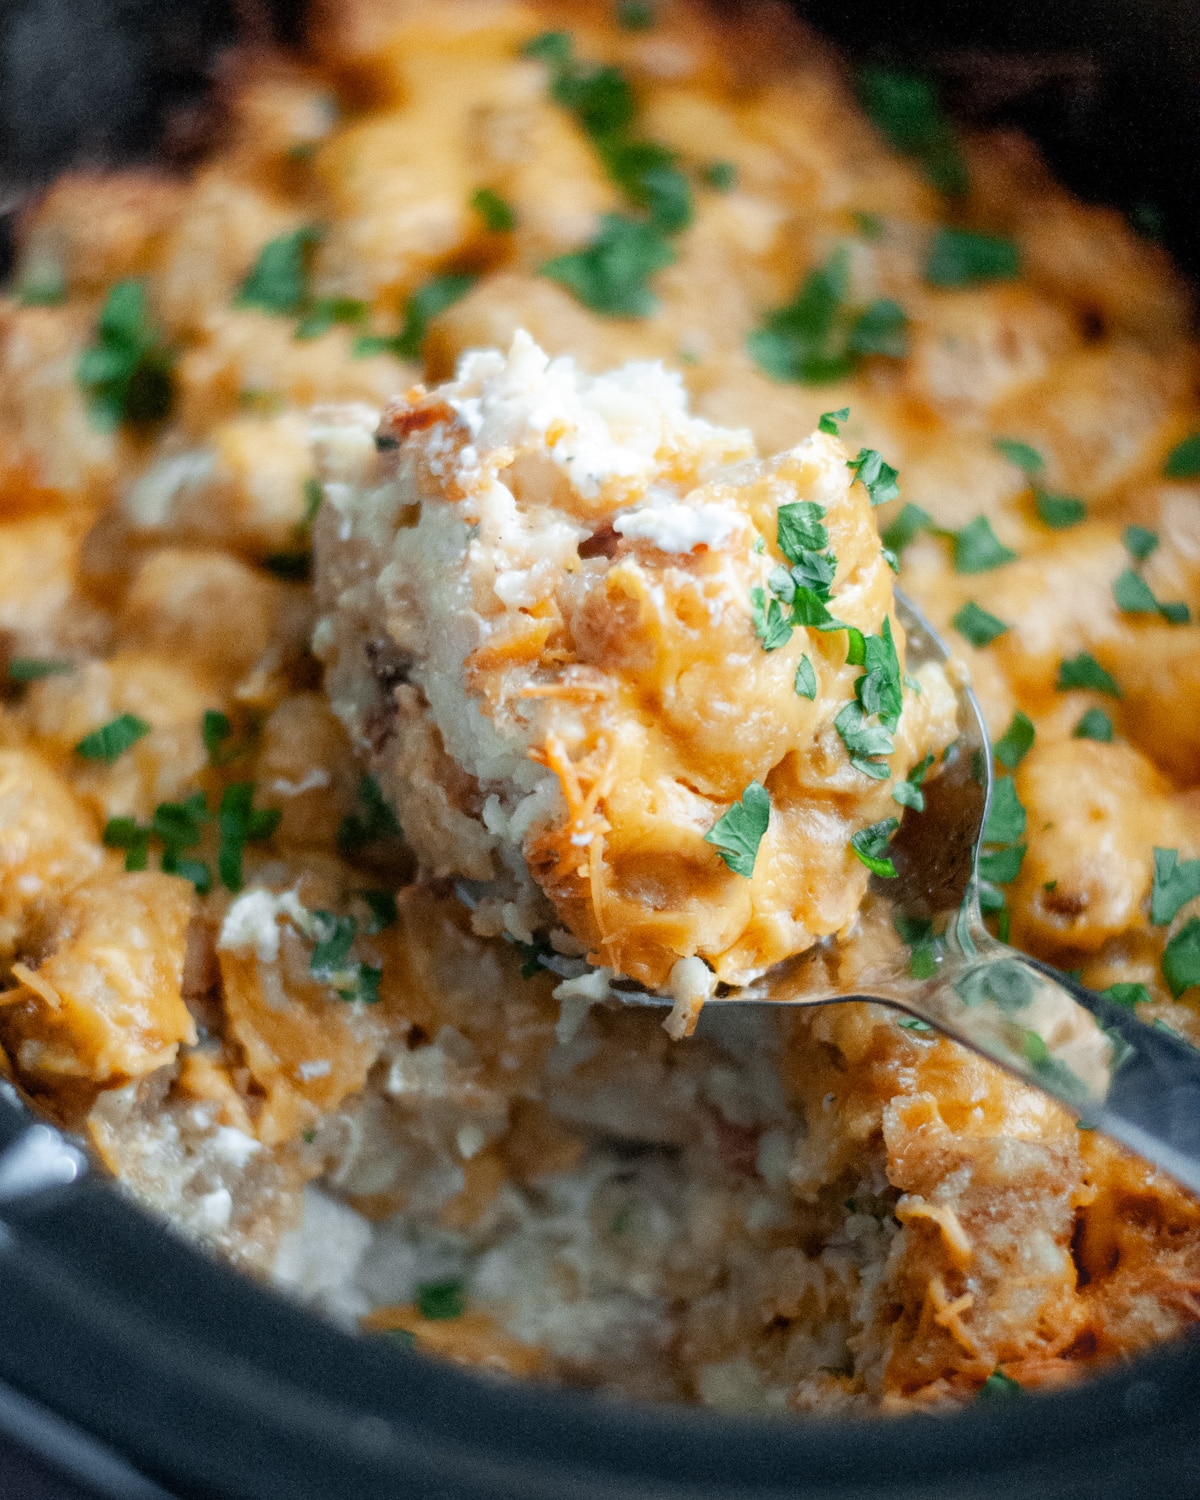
(1139, 1084)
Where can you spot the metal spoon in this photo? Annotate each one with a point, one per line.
(1137, 1083)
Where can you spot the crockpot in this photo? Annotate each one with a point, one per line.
(131, 1365)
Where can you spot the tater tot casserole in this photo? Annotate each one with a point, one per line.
(448, 541)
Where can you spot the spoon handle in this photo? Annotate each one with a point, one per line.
(1137, 1083)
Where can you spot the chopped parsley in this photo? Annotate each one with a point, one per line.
(720, 175)
(430, 299)
(1128, 995)
(497, 214)
(1084, 671)
(977, 548)
(737, 834)
(1183, 461)
(772, 625)
(998, 1386)
(34, 668)
(1005, 816)
(869, 225)
(215, 729)
(112, 740)
(176, 826)
(908, 792)
(870, 847)
(817, 338)
(830, 421)
(1016, 741)
(1175, 885)
(1181, 958)
(322, 313)
(905, 528)
(977, 625)
(877, 477)
(330, 961)
(866, 744)
(960, 257)
(905, 108)
(635, 15)
(127, 371)
(1059, 512)
(1134, 596)
(1001, 866)
(375, 821)
(278, 281)
(439, 1300)
(926, 948)
(878, 694)
(806, 679)
(240, 823)
(382, 906)
(611, 275)
(1095, 725)
(799, 529)
(1027, 459)
(1140, 542)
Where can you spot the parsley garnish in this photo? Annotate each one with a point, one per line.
(870, 845)
(877, 477)
(977, 548)
(1016, 741)
(1181, 958)
(917, 933)
(806, 678)
(1084, 671)
(127, 371)
(830, 421)
(1005, 817)
(176, 826)
(977, 625)
(1059, 512)
(215, 730)
(434, 297)
(1128, 995)
(870, 226)
(1134, 596)
(720, 175)
(998, 1385)
(438, 1300)
(375, 822)
(771, 625)
(1175, 885)
(878, 693)
(1027, 459)
(816, 338)
(611, 274)
(1139, 542)
(330, 961)
(799, 529)
(323, 312)
(496, 213)
(34, 668)
(1001, 866)
(1095, 725)
(278, 280)
(865, 743)
(240, 823)
(908, 792)
(737, 834)
(906, 110)
(1183, 461)
(906, 527)
(112, 739)
(635, 15)
(960, 257)
(382, 906)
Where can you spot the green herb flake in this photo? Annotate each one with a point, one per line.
(126, 373)
(806, 679)
(497, 214)
(1059, 512)
(737, 834)
(1128, 995)
(830, 421)
(877, 477)
(1001, 866)
(798, 529)
(1140, 542)
(321, 314)
(278, 281)
(720, 175)
(905, 109)
(1027, 459)
(998, 1386)
(1134, 595)
(215, 729)
(112, 740)
(977, 625)
(905, 528)
(430, 299)
(910, 1023)
(439, 1300)
(382, 906)
(34, 668)
(1183, 461)
(1005, 816)
(552, 47)
(128, 834)
(1174, 886)
(870, 847)
(375, 821)
(977, 548)
(879, 690)
(330, 959)
(1084, 671)
(908, 795)
(1181, 958)
(635, 15)
(240, 823)
(960, 257)
(611, 274)
(866, 744)
(1016, 741)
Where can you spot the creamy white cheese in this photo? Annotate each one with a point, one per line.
(675, 527)
(251, 924)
